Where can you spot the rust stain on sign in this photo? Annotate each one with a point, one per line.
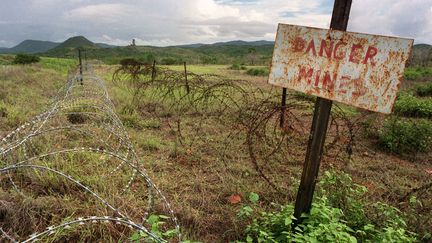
(357, 69)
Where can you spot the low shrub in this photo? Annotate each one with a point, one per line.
(26, 59)
(417, 73)
(237, 66)
(411, 106)
(257, 71)
(424, 90)
(405, 136)
(411, 74)
(328, 223)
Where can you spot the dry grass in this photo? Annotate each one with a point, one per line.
(211, 160)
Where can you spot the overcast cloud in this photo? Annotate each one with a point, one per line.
(173, 22)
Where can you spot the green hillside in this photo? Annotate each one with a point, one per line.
(206, 54)
(70, 47)
(31, 47)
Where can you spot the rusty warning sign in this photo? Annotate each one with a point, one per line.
(357, 69)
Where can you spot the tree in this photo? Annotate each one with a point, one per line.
(25, 59)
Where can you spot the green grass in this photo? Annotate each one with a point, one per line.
(205, 162)
(6, 59)
(62, 65)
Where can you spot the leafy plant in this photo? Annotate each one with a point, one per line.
(411, 106)
(155, 222)
(404, 136)
(247, 210)
(424, 90)
(327, 223)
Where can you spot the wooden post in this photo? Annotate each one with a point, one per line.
(186, 79)
(153, 70)
(339, 21)
(283, 107)
(80, 66)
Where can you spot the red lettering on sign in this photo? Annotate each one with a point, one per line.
(311, 46)
(335, 51)
(328, 83)
(317, 77)
(298, 44)
(352, 57)
(370, 53)
(306, 75)
(328, 49)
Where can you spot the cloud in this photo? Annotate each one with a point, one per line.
(171, 22)
(99, 13)
(407, 18)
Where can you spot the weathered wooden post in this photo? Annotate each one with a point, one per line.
(283, 108)
(153, 70)
(186, 78)
(80, 66)
(339, 21)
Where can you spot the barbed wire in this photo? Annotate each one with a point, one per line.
(81, 142)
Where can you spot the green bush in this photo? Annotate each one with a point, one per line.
(237, 66)
(411, 74)
(25, 59)
(424, 90)
(257, 71)
(171, 61)
(403, 136)
(411, 106)
(417, 73)
(327, 223)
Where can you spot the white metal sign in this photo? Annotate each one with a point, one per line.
(357, 69)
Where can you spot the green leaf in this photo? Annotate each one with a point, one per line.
(249, 239)
(153, 219)
(253, 197)
(135, 237)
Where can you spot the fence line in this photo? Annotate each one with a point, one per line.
(81, 124)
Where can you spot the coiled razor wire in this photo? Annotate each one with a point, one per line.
(53, 147)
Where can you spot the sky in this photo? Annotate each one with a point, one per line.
(175, 22)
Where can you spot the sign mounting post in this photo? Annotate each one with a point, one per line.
(339, 21)
(357, 69)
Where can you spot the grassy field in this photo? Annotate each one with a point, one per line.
(221, 159)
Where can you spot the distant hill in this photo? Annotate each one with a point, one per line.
(70, 46)
(103, 45)
(244, 43)
(230, 43)
(421, 55)
(30, 46)
(75, 42)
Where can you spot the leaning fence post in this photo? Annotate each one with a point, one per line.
(80, 66)
(153, 70)
(283, 107)
(186, 79)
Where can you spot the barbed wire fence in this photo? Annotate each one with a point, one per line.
(78, 149)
